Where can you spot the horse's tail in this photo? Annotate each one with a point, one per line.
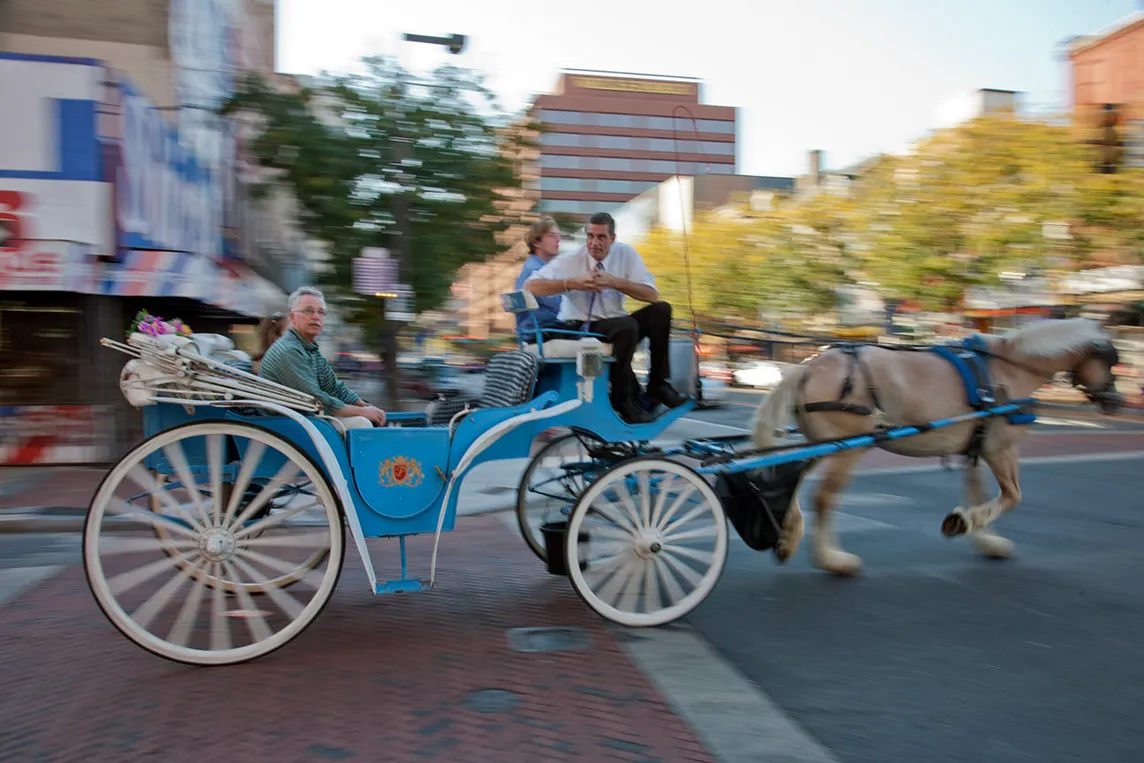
(778, 407)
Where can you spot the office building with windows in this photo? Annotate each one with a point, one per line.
(606, 138)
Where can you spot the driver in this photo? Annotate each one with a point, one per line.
(594, 282)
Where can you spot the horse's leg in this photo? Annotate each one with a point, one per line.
(828, 555)
(1004, 464)
(984, 539)
(792, 531)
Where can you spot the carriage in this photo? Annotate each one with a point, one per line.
(222, 535)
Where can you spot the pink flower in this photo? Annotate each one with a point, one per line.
(165, 328)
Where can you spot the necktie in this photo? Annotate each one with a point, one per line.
(592, 301)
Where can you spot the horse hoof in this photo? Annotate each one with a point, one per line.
(840, 563)
(954, 524)
(993, 546)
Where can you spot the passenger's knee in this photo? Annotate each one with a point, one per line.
(356, 422)
(660, 308)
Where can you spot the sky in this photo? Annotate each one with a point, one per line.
(851, 78)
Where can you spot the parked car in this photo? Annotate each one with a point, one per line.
(760, 374)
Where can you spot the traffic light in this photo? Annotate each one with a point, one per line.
(1108, 143)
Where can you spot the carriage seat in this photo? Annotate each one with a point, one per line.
(562, 349)
(510, 379)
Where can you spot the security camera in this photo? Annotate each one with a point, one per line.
(457, 44)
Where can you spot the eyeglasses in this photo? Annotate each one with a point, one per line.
(309, 311)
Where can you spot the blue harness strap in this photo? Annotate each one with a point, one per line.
(972, 365)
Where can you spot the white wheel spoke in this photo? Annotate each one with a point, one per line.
(143, 479)
(610, 592)
(697, 511)
(665, 488)
(670, 584)
(675, 506)
(125, 581)
(178, 458)
(155, 603)
(287, 472)
(621, 488)
(700, 532)
(214, 462)
(645, 499)
(158, 521)
(608, 532)
(117, 545)
(251, 614)
(705, 557)
(181, 631)
(283, 599)
(618, 519)
(220, 623)
(686, 572)
(602, 569)
(273, 520)
(242, 482)
(651, 586)
(311, 578)
(315, 540)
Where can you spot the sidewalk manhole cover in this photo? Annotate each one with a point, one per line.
(492, 701)
(558, 639)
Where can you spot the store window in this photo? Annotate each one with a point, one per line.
(40, 344)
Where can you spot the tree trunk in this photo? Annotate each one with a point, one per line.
(389, 364)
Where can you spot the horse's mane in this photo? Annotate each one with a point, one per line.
(1054, 338)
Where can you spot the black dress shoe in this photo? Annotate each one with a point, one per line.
(632, 413)
(666, 394)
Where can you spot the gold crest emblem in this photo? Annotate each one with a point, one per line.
(400, 470)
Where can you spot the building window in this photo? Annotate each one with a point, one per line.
(627, 143)
(633, 121)
(561, 206)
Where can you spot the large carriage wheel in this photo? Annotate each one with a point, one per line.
(552, 483)
(646, 542)
(161, 589)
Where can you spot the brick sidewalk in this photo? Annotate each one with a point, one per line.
(373, 679)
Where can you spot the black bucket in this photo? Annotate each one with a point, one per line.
(554, 534)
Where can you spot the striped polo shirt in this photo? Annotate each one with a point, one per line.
(295, 362)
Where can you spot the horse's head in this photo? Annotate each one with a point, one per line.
(1093, 375)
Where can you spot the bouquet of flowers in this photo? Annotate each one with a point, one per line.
(153, 325)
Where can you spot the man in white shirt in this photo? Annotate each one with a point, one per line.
(593, 283)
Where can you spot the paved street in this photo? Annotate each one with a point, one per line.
(938, 655)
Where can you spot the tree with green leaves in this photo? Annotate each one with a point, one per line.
(381, 159)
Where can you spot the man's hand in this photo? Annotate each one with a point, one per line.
(606, 280)
(376, 416)
(586, 282)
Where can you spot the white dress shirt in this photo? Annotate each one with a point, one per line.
(622, 261)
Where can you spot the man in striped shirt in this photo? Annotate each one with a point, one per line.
(294, 361)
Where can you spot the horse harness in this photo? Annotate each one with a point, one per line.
(970, 358)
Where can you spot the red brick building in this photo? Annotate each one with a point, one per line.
(608, 138)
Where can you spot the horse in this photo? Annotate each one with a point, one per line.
(853, 390)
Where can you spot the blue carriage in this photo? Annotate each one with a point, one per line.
(222, 535)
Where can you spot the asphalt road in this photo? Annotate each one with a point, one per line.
(935, 654)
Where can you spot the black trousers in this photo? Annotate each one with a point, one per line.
(652, 322)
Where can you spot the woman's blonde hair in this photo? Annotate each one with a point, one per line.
(269, 330)
(536, 232)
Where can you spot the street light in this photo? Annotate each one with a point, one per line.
(455, 43)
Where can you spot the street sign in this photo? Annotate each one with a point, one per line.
(400, 306)
(375, 273)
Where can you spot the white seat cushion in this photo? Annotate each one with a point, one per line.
(564, 349)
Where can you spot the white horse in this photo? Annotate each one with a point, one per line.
(883, 386)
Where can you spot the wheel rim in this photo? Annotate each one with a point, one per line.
(179, 581)
(647, 542)
(549, 489)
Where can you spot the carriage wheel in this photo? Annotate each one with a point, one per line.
(552, 483)
(216, 578)
(161, 589)
(646, 542)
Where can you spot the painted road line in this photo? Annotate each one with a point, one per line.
(733, 717)
(16, 580)
(1084, 458)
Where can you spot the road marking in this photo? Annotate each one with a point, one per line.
(1084, 458)
(733, 717)
(16, 580)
